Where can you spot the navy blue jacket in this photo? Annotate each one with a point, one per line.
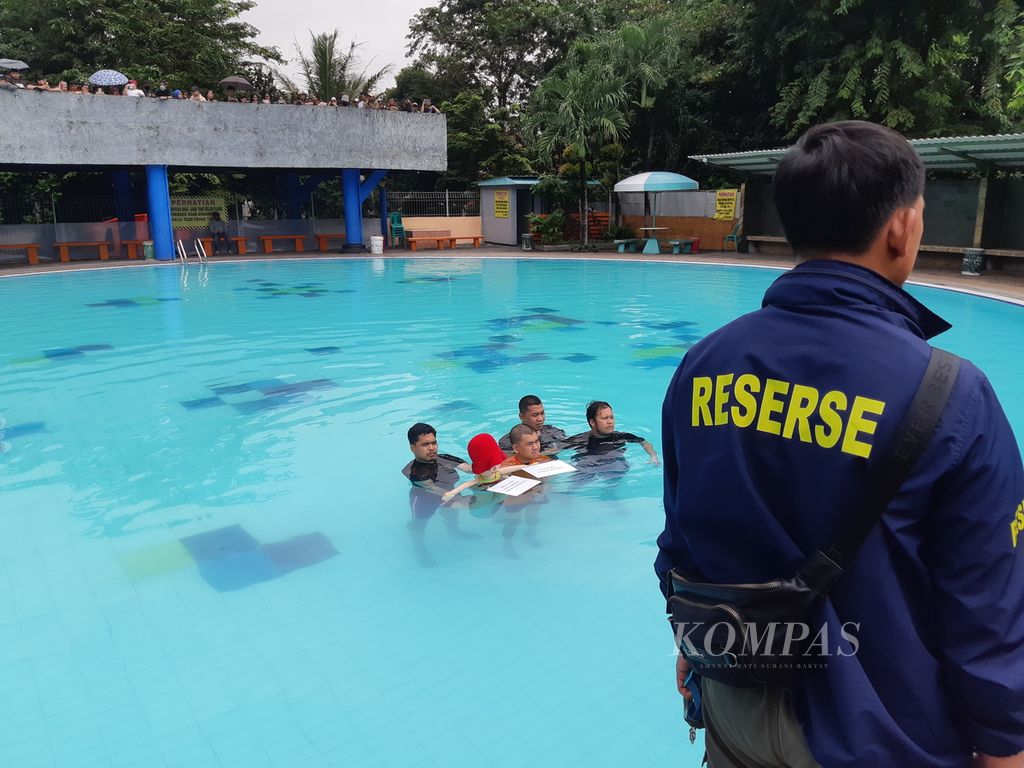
(770, 426)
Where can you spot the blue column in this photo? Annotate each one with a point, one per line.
(292, 195)
(160, 230)
(124, 199)
(353, 210)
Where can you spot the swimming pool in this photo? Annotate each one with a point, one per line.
(206, 550)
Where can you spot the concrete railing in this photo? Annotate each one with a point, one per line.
(68, 130)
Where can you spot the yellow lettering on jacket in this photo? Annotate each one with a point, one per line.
(792, 411)
(1017, 526)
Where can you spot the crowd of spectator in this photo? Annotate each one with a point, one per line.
(13, 80)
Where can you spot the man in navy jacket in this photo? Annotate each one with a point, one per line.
(771, 425)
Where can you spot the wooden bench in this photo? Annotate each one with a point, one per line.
(268, 242)
(440, 237)
(31, 249)
(685, 245)
(755, 240)
(631, 245)
(240, 243)
(65, 249)
(321, 239)
(132, 247)
(477, 240)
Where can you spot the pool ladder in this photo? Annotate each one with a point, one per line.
(200, 251)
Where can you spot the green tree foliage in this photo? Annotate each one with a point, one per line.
(576, 113)
(328, 71)
(478, 146)
(181, 41)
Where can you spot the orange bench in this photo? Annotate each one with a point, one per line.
(132, 247)
(440, 237)
(477, 240)
(268, 242)
(32, 249)
(240, 243)
(322, 239)
(65, 248)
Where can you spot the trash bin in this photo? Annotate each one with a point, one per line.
(527, 241)
(974, 261)
(147, 250)
(377, 244)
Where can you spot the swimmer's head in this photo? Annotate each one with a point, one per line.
(525, 442)
(485, 455)
(423, 441)
(531, 411)
(600, 417)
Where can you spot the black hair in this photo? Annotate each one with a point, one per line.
(519, 431)
(418, 430)
(594, 407)
(528, 401)
(837, 186)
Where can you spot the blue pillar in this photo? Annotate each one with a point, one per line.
(353, 210)
(292, 195)
(124, 199)
(160, 230)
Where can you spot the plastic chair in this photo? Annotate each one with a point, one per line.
(395, 225)
(733, 236)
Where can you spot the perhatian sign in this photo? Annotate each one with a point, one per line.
(725, 204)
(501, 197)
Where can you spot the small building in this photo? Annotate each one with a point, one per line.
(505, 204)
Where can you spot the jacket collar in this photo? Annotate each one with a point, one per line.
(828, 282)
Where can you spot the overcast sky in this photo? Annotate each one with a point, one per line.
(381, 25)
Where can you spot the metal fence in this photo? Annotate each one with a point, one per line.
(445, 203)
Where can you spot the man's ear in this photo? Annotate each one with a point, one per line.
(899, 232)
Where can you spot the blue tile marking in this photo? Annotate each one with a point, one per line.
(299, 551)
(297, 387)
(203, 402)
(579, 358)
(324, 350)
(658, 362)
(232, 389)
(20, 430)
(93, 347)
(456, 405)
(541, 310)
(238, 570)
(52, 353)
(264, 404)
(230, 558)
(218, 543)
(503, 338)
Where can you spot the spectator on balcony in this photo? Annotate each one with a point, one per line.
(429, 108)
(392, 105)
(344, 101)
(177, 94)
(266, 98)
(196, 95)
(211, 96)
(163, 92)
(133, 90)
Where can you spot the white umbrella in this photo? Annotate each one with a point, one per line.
(107, 77)
(12, 64)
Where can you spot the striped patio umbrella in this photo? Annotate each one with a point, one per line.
(107, 77)
(656, 181)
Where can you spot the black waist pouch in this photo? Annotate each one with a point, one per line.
(764, 634)
(747, 635)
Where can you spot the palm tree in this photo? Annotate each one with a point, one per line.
(328, 72)
(579, 111)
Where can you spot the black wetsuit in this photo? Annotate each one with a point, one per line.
(601, 454)
(442, 473)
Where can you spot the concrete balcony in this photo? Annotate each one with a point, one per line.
(68, 130)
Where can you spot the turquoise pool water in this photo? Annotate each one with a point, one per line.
(206, 549)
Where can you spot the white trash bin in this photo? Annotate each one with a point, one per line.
(377, 244)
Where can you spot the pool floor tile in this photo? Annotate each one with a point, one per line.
(219, 542)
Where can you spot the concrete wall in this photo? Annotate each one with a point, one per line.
(459, 226)
(39, 128)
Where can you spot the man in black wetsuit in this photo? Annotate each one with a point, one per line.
(531, 413)
(602, 448)
(430, 472)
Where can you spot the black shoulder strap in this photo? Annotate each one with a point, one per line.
(820, 571)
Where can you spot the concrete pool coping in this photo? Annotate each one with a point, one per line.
(996, 285)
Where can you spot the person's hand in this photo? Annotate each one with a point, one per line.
(682, 670)
(445, 498)
(655, 460)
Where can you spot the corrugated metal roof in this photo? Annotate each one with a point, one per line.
(953, 153)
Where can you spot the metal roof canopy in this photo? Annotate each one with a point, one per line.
(955, 153)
